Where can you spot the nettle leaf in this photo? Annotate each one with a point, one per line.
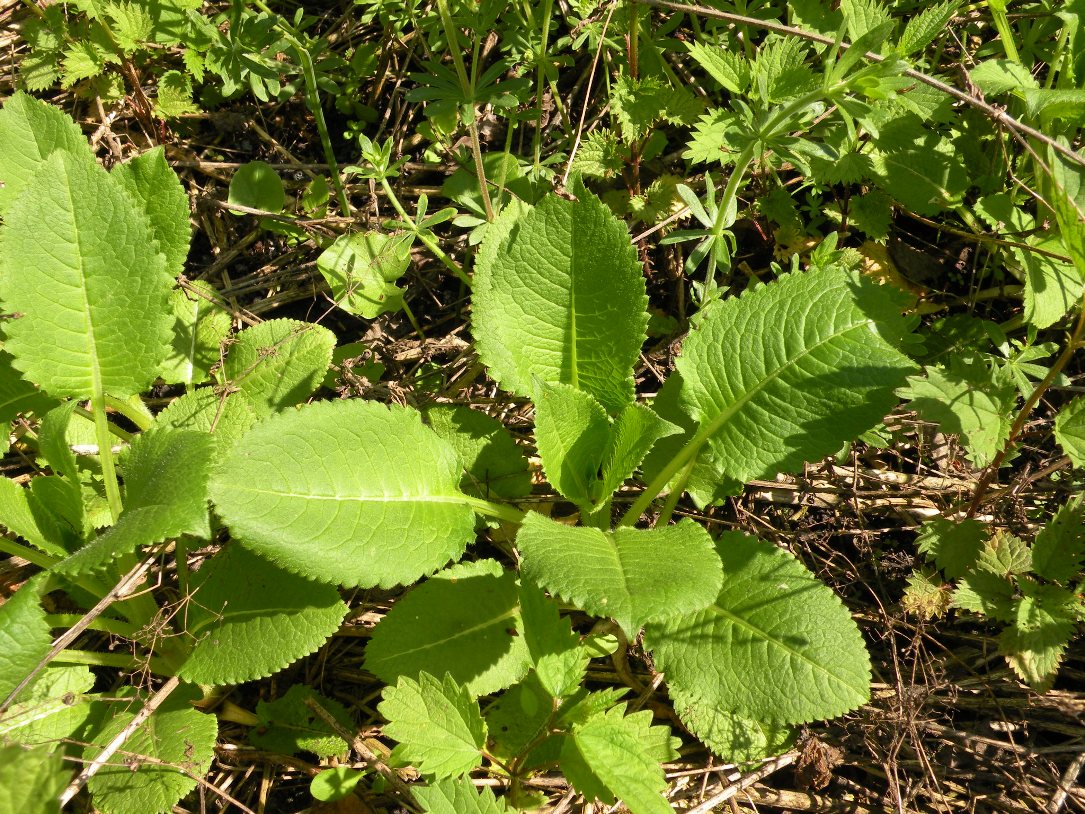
(1059, 548)
(1004, 555)
(777, 645)
(279, 363)
(970, 399)
(559, 659)
(493, 465)
(24, 635)
(630, 575)
(783, 374)
(30, 132)
(639, 103)
(926, 594)
(926, 176)
(288, 725)
(181, 742)
(31, 780)
(1070, 430)
(732, 737)
(953, 547)
(52, 708)
(464, 621)
(458, 796)
(925, 27)
(361, 270)
(71, 246)
(438, 724)
(346, 492)
(165, 478)
(252, 628)
(729, 69)
(559, 294)
(600, 155)
(1034, 644)
(616, 755)
(985, 593)
(226, 417)
(156, 187)
(199, 328)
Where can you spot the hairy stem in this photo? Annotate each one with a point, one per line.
(105, 455)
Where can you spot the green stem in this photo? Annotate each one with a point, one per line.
(31, 555)
(540, 75)
(428, 241)
(95, 659)
(500, 511)
(105, 455)
(140, 417)
(676, 493)
(102, 623)
(685, 456)
(1005, 33)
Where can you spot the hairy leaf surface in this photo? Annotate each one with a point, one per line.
(731, 736)
(199, 328)
(458, 796)
(346, 492)
(80, 264)
(157, 189)
(24, 635)
(250, 628)
(777, 645)
(561, 297)
(630, 575)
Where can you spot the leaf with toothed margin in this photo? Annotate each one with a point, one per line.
(248, 629)
(777, 645)
(346, 492)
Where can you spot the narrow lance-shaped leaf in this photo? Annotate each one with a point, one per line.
(561, 296)
(346, 492)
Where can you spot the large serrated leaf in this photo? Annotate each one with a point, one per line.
(21, 513)
(1059, 548)
(732, 737)
(155, 186)
(784, 374)
(279, 363)
(200, 326)
(631, 575)
(462, 621)
(181, 742)
(31, 780)
(290, 724)
(79, 262)
(17, 395)
(777, 645)
(494, 466)
(248, 629)
(438, 724)
(52, 708)
(346, 492)
(458, 796)
(31, 131)
(561, 297)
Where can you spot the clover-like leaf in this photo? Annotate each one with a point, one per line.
(777, 645)
(631, 575)
(463, 621)
(279, 363)
(248, 629)
(346, 492)
(559, 294)
(437, 723)
(80, 263)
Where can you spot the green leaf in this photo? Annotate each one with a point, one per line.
(599, 156)
(633, 576)
(288, 725)
(24, 635)
(559, 294)
(1052, 287)
(17, 395)
(361, 270)
(493, 465)
(463, 621)
(437, 723)
(730, 70)
(926, 594)
(165, 478)
(346, 492)
(863, 16)
(279, 363)
(732, 737)
(784, 374)
(633, 434)
(571, 431)
(776, 646)
(31, 780)
(30, 132)
(985, 593)
(251, 628)
(926, 175)
(1059, 548)
(1004, 555)
(926, 26)
(199, 328)
(617, 755)
(155, 186)
(174, 97)
(71, 246)
(226, 417)
(181, 742)
(458, 796)
(970, 399)
(336, 783)
(559, 659)
(518, 718)
(998, 76)
(22, 513)
(1043, 624)
(637, 104)
(1070, 430)
(258, 186)
(953, 547)
(52, 708)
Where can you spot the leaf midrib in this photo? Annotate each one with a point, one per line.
(97, 389)
(457, 498)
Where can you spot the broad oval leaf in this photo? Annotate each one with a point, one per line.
(631, 575)
(784, 374)
(346, 492)
(250, 628)
(561, 296)
(463, 621)
(79, 262)
(776, 646)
